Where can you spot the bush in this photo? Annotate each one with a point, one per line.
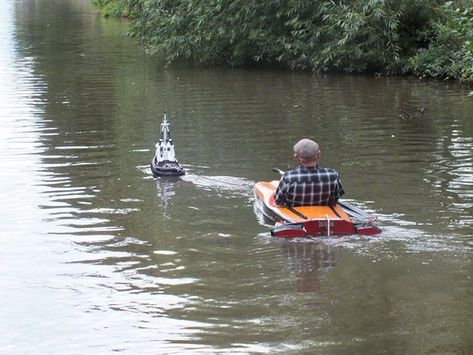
(348, 36)
(118, 8)
(422, 37)
(450, 54)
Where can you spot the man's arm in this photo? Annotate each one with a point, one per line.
(281, 191)
(339, 192)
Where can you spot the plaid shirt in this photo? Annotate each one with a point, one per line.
(309, 187)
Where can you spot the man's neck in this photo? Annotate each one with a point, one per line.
(309, 166)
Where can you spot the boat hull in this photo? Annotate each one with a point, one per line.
(166, 168)
(306, 221)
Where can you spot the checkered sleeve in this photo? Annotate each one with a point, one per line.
(339, 192)
(281, 192)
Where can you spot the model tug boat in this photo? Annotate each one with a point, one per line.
(164, 162)
(309, 221)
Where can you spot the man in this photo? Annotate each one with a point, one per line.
(309, 185)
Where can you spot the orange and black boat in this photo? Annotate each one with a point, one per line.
(308, 221)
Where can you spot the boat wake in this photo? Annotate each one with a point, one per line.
(235, 185)
(396, 233)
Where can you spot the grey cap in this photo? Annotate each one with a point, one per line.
(306, 149)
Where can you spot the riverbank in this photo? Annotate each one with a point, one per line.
(427, 39)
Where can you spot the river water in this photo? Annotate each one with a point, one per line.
(97, 256)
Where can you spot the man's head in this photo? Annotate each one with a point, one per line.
(307, 152)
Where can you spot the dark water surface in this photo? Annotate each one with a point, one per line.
(97, 256)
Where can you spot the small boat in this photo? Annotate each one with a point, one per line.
(164, 162)
(310, 221)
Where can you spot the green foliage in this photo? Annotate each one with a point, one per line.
(450, 54)
(208, 32)
(425, 37)
(118, 8)
(362, 35)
